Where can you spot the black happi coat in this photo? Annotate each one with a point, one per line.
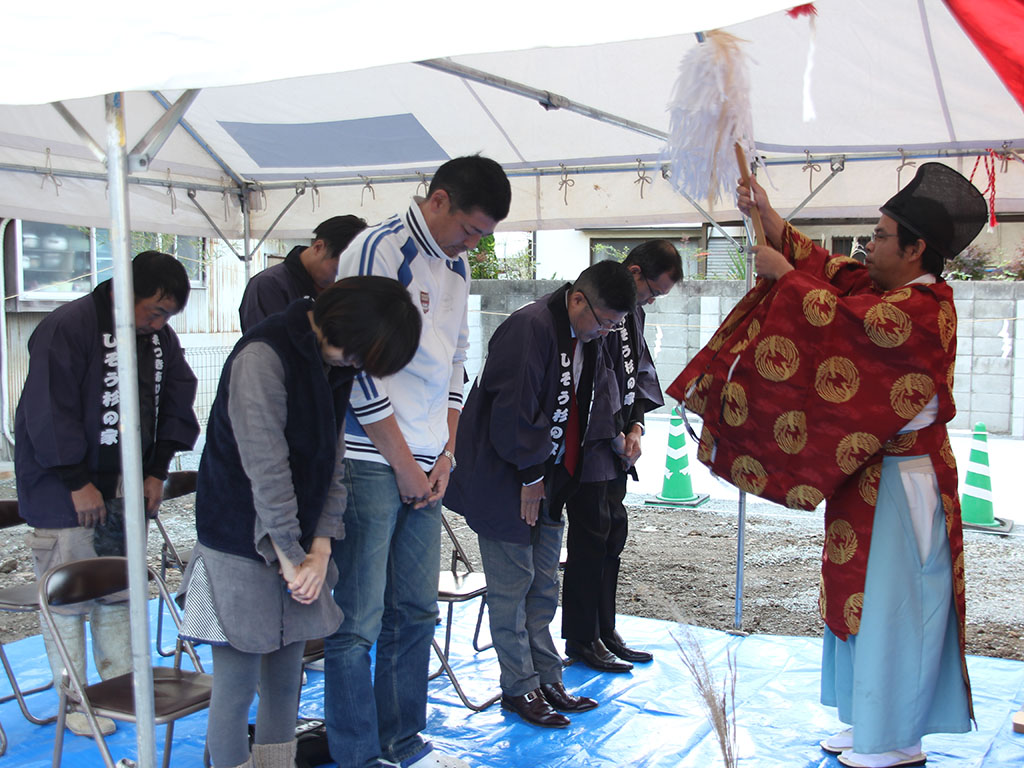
(57, 425)
(273, 289)
(600, 462)
(504, 436)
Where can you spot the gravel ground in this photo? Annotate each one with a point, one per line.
(681, 565)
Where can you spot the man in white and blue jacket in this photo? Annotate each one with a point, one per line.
(400, 447)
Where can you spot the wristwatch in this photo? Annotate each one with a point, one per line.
(451, 457)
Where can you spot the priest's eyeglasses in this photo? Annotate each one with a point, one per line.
(606, 325)
(880, 235)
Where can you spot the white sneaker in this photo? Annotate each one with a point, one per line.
(78, 724)
(429, 757)
(896, 758)
(838, 742)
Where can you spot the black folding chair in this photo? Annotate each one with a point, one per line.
(176, 692)
(177, 484)
(459, 585)
(22, 598)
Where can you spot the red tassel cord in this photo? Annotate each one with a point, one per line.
(807, 9)
(990, 189)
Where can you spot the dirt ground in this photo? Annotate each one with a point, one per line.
(680, 564)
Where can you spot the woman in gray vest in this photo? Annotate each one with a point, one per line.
(270, 499)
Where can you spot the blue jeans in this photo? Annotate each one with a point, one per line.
(522, 595)
(387, 587)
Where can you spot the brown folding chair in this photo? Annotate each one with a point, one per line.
(460, 586)
(177, 484)
(19, 599)
(314, 651)
(176, 692)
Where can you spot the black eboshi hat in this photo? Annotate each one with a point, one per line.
(941, 207)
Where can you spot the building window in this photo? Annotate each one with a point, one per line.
(842, 246)
(725, 261)
(48, 264)
(617, 248)
(190, 251)
(613, 248)
(51, 262)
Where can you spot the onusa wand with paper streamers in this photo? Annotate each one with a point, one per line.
(709, 128)
(710, 116)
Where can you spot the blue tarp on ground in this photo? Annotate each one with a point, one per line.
(650, 718)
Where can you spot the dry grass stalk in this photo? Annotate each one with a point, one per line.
(719, 702)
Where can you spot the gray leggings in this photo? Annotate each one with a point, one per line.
(235, 677)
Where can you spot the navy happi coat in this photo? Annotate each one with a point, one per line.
(611, 415)
(57, 423)
(504, 436)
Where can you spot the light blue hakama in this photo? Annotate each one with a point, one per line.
(899, 678)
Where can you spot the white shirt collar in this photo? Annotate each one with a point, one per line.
(421, 232)
(926, 279)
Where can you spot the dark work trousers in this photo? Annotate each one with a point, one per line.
(597, 534)
(613, 549)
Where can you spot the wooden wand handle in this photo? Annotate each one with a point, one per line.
(755, 215)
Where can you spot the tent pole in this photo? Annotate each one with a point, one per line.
(550, 100)
(300, 190)
(737, 621)
(187, 127)
(80, 131)
(817, 189)
(546, 99)
(150, 144)
(5, 391)
(212, 223)
(246, 223)
(129, 435)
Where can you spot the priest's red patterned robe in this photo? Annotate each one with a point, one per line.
(806, 386)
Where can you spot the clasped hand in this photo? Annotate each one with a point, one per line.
(307, 578)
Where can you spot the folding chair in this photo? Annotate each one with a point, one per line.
(313, 652)
(460, 586)
(177, 484)
(19, 599)
(176, 692)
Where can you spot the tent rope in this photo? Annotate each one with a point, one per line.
(990, 188)
(262, 192)
(642, 177)
(49, 175)
(314, 198)
(812, 167)
(367, 186)
(904, 163)
(170, 193)
(565, 183)
(423, 183)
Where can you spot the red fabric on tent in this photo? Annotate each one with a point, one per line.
(997, 28)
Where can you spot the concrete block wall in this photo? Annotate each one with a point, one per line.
(1017, 407)
(989, 372)
(989, 375)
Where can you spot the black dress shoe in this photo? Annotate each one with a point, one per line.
(620, 649)
(563, 701)
(595, 656)
(534, 708)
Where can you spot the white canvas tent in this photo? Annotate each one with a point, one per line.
(324, 97)
(351, 115)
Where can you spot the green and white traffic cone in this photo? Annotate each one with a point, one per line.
(677, 489)
(976, 510)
